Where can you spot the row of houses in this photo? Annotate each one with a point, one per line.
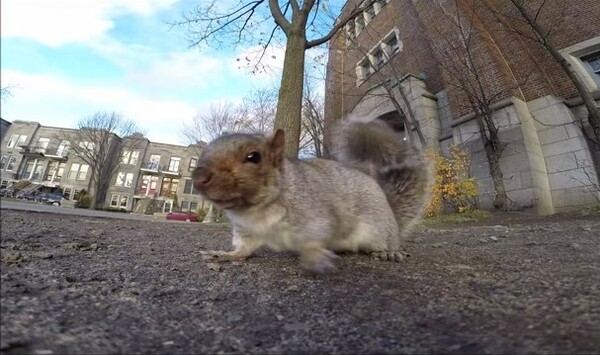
(418, 46)
(153, 177)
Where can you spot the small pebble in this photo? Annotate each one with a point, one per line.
(213, 266)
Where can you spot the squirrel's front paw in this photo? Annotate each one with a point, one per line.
(388, 256)
(221, 255)
(319, 261)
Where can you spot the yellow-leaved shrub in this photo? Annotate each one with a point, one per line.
(453, 185)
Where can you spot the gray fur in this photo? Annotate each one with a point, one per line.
(365, 202)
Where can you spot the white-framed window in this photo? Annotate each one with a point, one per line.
(76, 194)
(188, 187)
(119, 201)
(78, 171)
(130, 157)
(3, 161)
(124, 179)
(63, 148)
(16, 140)
(193, 206)
(392, 45)
(174, 164)
(41, 145)
(67, 192)
(10, 166)
(193, 164)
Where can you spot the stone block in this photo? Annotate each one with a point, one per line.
(561, 162)
(564, 146)
(568, 179)
(553, 134)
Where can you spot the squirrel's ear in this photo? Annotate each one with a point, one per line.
(277, 144)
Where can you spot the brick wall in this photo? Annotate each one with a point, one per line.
(509, 64)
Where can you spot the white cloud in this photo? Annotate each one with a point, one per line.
(65, 21)
(58, 102)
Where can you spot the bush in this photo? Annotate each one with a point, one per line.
(201, 214)
(84, 201)
(453, 186)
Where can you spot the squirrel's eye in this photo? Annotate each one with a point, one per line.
(253, 157)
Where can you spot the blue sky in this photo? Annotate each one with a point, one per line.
(70, 58)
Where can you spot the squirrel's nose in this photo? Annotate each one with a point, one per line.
(202, 176)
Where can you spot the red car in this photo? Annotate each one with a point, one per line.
(182, 216)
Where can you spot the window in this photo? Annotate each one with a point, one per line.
(119, 201)
(130, 157)
(124, 179)
(169, 186)
(592, 64)
(369, 14)
(55, 171)
(154, 162)
(392, 45)
(42, 145)
(185, 206)
(67, 193)
(76, 194)
(3, 184)
(193, 206)
(16, 140)
(363, 70)
(78, 171)
(189, 188)
(359, 24)
(63, 148)
(379, 58)
(174, 164)
(86, 145)
(3, 161)
(193, 164)
(350, 31)
(11, 163)
(123, 201)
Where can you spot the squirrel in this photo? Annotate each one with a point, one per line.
(366, 200)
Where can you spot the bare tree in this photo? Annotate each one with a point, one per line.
(258, 110)
(221, 118)
(6, 91)
(311, 139)
(455, 50)
(100, 140)
(294, 19)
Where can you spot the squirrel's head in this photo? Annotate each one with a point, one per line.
(238, 171)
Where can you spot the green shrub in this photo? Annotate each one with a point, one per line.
(85, 201)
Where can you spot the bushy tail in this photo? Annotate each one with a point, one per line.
(405, 177)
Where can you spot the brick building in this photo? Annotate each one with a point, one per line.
(147, 179)
(548, 164)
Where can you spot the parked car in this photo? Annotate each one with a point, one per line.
(30, 196)
(53, 199)
(7, 192)
(182, 216)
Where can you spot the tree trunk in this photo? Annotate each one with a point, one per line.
(500, 199)
(289, 105)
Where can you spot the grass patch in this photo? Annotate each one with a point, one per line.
(454, 218)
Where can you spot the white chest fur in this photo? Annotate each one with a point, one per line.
(267, 224)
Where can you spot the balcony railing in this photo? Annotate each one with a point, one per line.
(157, 168)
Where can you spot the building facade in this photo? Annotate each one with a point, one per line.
(548, 163)
(152, 177)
